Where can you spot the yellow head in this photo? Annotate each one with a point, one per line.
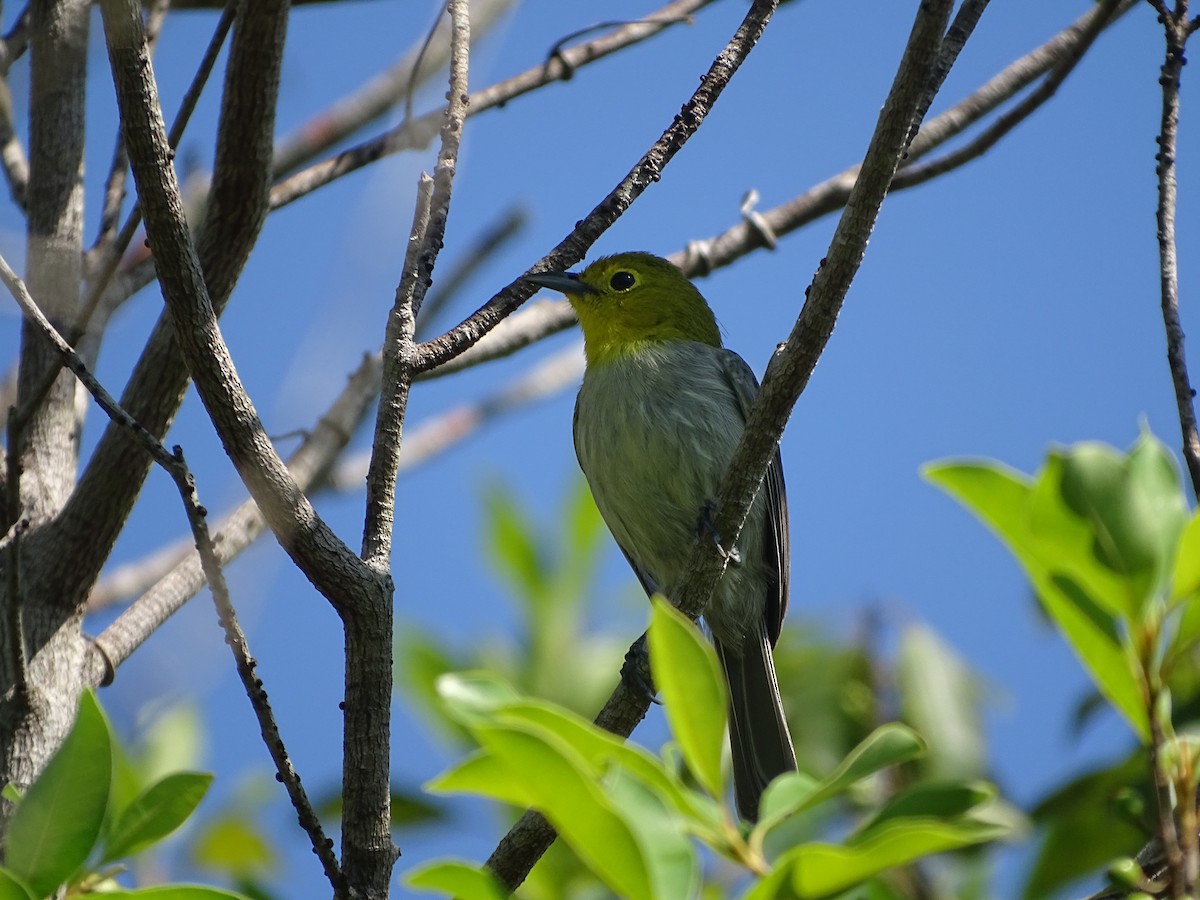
(629, 300)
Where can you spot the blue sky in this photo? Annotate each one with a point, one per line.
(1008, 306)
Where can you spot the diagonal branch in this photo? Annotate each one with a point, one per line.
(174, 465)
(648, 170)
(325, 560)
(417, 133)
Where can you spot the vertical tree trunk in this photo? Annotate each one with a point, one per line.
(33, 725)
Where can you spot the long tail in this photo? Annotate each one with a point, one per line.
(758, 733)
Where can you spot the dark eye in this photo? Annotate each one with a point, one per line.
(622, 281)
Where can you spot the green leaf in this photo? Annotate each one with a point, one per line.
(460, 880)
(941, 701)
(472, 698)
(603, 751)
(818, 870)
(156, 813)
(55, 827)
(932, 799)
(1134, 507)
(231, 844)
(581, 542)
(1083, 826)
(557, 782)
(11, 887)
(667, 847)
(1056, 550)
(687, 674)
(888, 745)
(1185, 579)
(485, 776)
(512, 546)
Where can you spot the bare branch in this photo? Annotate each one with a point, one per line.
(326, 561)
(399, 347)
(308, 464)
(703, 256)
(174, 465)
(1185, 396)
(961, 29)
(648, 170)
(379, 95)
(428, 439)
(416, 134)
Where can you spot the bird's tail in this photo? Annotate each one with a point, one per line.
(758, 734)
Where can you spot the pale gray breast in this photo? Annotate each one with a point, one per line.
(653, 434)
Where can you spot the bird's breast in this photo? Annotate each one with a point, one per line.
(654, 432)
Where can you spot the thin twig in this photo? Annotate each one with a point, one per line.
(1175, 28)
(482, 248)
(374, 98)
(399, 347)
(703, 256)
(1103, 14)
(174, 465)
(417, 133)
(308, 464)
(453, 426)
(247, 671)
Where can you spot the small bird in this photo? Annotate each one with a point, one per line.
(660, 411)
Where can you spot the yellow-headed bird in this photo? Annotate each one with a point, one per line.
(661, 408)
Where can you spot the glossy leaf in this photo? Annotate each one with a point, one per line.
(1185, 579)
(156, 813)
(940, 700)
(688, 676)
(666, 846)
(888, 745)
(934, 800)
(460, 880)
(11, 887)
(472, 698)
(57, 823)
(1056, 550)
(818, 870)
(557, 783)
(603, 751)
(486, 776)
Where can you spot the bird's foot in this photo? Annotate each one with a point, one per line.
(708, 528)
(635, 671)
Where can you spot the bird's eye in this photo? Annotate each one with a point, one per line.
(622, 281)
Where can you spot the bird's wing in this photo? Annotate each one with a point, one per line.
(776, 545)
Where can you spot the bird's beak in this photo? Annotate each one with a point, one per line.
(563, 282)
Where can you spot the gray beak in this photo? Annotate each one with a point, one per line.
(563, 282)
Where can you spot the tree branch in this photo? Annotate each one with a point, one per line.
(417, 133)
(399, 346)
(175, 466)
(1176, 30)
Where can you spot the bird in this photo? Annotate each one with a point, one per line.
(661, 408)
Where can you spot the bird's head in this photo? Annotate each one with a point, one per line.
(627, 301)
